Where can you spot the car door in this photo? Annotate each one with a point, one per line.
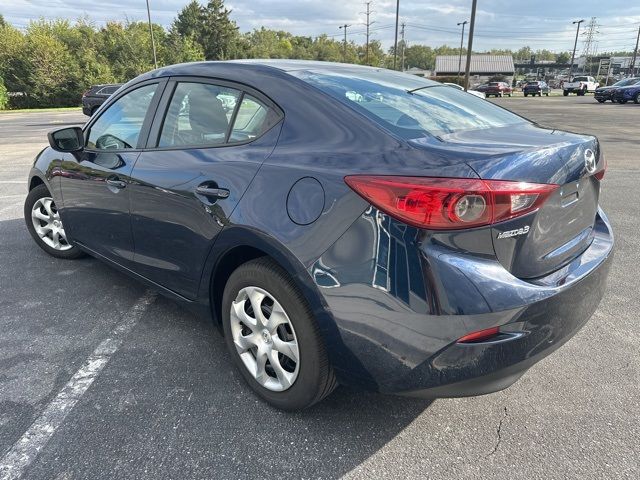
(206, 144)
(95, 182)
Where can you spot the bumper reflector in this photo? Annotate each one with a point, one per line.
(480, 335)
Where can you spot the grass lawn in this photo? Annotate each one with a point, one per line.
(30, 110)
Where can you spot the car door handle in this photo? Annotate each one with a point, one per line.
(112, 182)
(212, 192)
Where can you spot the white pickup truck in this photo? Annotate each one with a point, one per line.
(580, 86)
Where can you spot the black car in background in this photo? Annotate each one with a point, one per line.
(536, 88)
(96, 96)
(602, 94)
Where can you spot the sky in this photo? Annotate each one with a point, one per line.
(499, 23)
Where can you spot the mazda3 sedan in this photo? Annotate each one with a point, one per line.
(342, 224)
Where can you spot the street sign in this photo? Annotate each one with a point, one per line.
(603, 68)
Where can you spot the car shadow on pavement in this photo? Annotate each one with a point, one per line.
(169, 404)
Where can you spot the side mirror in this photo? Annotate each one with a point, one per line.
(70, 139)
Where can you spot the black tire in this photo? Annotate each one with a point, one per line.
(34, 195)
(636, 98)
(600, 100)
(565, 93)
(315, 379)
(622, 102)
(526, 94)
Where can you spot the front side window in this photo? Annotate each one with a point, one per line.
(199, 115)
(119, 127)
(409, 106)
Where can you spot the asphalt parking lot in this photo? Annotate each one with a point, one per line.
(166, 403)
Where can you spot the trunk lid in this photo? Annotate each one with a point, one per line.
(542, 241)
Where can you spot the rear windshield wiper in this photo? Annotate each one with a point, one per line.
(421, 88)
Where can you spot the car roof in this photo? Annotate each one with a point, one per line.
(273, 66)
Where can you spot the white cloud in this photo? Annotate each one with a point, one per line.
(498, 23)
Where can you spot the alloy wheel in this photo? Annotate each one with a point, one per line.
(47, 224)
(265, 339)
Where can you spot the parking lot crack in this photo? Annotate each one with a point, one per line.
(499, 432)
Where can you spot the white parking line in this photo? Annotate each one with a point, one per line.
(27, 448)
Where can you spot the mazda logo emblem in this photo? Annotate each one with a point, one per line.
(589, 160)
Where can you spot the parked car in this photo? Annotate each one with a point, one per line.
(481, 87)
(626, 93)
(344, 224)
(580, 86)
(498, 89)
(536, 88)
(602, 94)
(96, 96)
(472, 92)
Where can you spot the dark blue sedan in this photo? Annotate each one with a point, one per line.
(628, 93)
(343, 224)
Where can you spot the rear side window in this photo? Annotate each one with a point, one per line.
(204, 115)
(432, 109)
(199, 115)
(252, 120)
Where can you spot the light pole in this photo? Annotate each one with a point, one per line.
(153, 43)
(395, 43)
(344, 51)
(635, 54)
(470, 47)
(461, 40)
(575, 44)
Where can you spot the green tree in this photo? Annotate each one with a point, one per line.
(419, 56)
(220, 33)
(4, 98)
(190, 21)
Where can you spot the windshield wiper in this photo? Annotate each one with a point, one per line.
(420, 88)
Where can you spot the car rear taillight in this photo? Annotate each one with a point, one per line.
(600, 173)
(449, 203)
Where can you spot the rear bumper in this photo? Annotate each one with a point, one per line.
(538, 330)
(398, 332)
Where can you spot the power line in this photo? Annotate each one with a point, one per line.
(368, 25)
(344, 54)
(403, 44)
(590, 43)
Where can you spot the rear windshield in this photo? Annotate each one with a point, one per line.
(581, 79)
(382, 96)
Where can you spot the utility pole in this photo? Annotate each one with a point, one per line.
(632, 67)
(368, 24)
(470, 47)
(461, 41)
(403, 44)
(395, 43)
(344, 51)
(575, 44)
(153, 43)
